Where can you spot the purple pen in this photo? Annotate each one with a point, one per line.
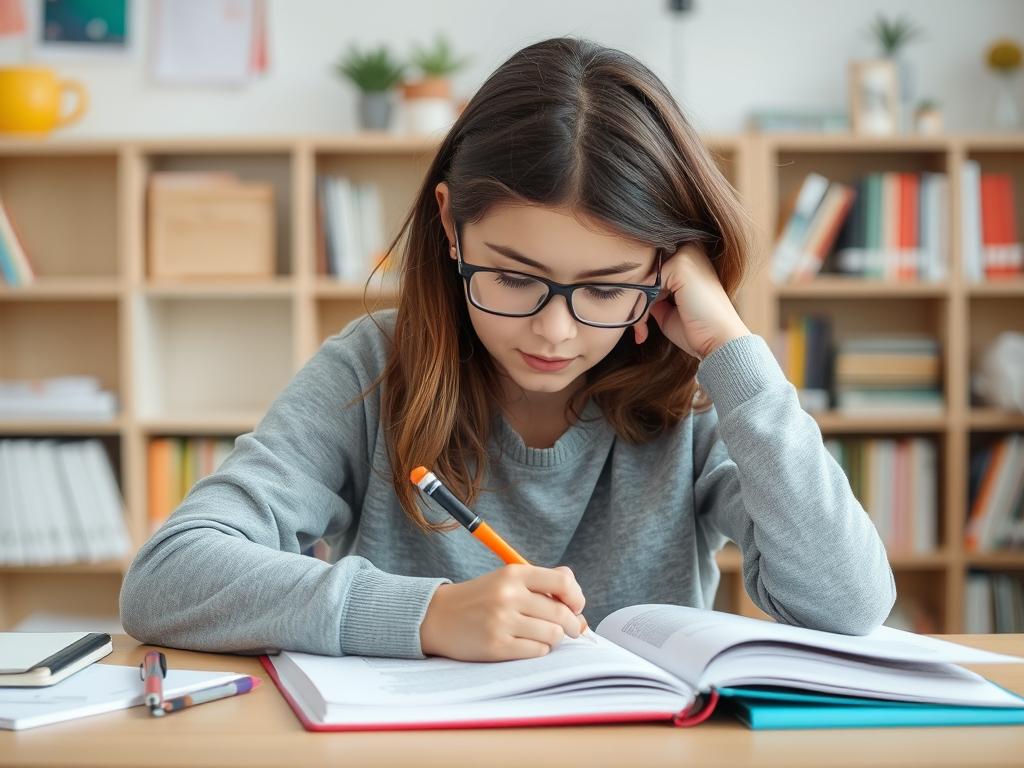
(235, 687)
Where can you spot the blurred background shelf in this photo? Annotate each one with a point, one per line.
(196, 359)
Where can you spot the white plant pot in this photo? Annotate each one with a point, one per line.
(428, 115)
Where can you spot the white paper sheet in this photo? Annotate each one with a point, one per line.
(92, 691)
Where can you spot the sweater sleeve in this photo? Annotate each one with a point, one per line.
(811, 555)
(224, 572)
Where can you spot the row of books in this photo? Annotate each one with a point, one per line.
(803, 348)
(996, 495)
(60, 503)
(890, 226)
(991, 249)
(860, 376)
(15, 266)
(889, 374)
(350, 228)
(895, 480)
(175, 464)
(994, 602)
(60, 397)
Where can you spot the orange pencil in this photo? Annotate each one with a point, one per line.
(429, 483)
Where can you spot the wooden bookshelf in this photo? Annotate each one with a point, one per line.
(80, 206)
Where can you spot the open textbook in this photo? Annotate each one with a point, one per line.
(650, 662)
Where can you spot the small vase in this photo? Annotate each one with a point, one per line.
(428, 106)
(375, 110)
(1006, 108)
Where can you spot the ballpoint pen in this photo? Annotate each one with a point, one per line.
(235, 687)
(153, 670)
(429, 483)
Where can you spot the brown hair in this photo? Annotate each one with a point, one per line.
(563, 122)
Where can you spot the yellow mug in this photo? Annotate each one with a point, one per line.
(30, 100)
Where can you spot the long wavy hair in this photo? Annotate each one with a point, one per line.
(569, 123)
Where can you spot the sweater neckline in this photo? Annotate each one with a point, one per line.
(569, 445)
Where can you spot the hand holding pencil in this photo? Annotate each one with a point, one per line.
(519, 611)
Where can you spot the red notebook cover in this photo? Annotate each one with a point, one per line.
(700, 711)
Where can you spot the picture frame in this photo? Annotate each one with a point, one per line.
(80, 30)
(874, 97)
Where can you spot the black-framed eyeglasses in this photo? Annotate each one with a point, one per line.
(509, 293)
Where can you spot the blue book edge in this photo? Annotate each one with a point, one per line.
(778, 709)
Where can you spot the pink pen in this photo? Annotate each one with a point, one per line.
(153, 670)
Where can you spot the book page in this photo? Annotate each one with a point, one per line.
(829, 672)
(368, 681)
(684, 640)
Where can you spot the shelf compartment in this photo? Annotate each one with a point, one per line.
(332, 315)
(53, 338)
(397, 172)
(920, 601)
(328, 288)
(64, 208)
(199, 359)
(270, 166)
(990, 316)
(919, 315)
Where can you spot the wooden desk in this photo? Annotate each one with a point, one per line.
(259, 729)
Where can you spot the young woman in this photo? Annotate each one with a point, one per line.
(566, 357)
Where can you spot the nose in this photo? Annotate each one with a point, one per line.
(555, 322)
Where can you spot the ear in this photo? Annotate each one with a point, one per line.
(443, 205)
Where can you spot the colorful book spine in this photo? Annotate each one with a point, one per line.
(15, 267)
(895, 481)
(174, 466)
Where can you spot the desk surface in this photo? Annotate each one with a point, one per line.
(259, 729)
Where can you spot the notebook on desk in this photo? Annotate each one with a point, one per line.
(30, 659)
(650, 662)
(98, 689)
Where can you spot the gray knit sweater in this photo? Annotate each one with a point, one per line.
(637, 524)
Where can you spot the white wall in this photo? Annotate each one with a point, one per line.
(721, 60)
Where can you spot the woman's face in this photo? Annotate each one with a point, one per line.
(556, 244)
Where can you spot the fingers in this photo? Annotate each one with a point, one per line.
(559, 583)
(539, 631)
(521, 648)
(550, 610)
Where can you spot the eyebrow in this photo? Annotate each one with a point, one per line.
(617, 269)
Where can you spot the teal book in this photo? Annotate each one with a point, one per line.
(873, 223)
(8, 270)
(774, 709)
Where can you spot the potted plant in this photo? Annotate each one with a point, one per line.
(375, 73)
(928, 118)
(428, 99)
(892, 36)
(1004, 59)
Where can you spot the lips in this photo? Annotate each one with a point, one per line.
(546, 364)
(549, 359)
